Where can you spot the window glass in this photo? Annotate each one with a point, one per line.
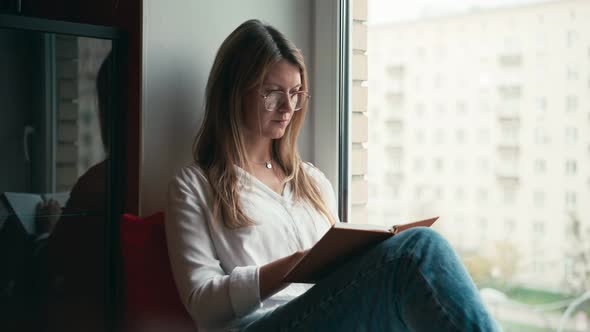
(483, 120)
(54, 204)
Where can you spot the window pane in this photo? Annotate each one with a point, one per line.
(53, 184)
(481, 116)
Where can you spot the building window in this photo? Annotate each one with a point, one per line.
(542, 104)
(418, 164)
(420, 110)
(571, 135)
(483, 164)
(439, 165)
(482, 195)
(532, 120)
(539, 198)
(395, 161)
(509, 194)
(460, 136)
(420, 53)
(571, 38)
(440, 110)
(460, 194)
(418, 82)
(438, 81)
(540, 166)
(509, 133)
(393, 126)
(538, 228)
(461, 108)
(439, 136)
(571, 103)
(509, 226)
(459, 165)
(87, 140)
(440, 193)
(394, 72)
(570, 200)
(483, 223)
(419, 193)
(420, 136)
(572, 74)
(571, 167)
(541, 136)
(483, 136)
(394, 191)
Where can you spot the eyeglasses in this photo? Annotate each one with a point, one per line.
(274, 100)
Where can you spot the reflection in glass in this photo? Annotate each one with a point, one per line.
(54, 96)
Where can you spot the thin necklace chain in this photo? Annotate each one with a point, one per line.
(268, 163)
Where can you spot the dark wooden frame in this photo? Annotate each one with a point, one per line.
(127, 16)
(125, 127)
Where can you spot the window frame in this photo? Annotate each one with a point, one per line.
(331, 100)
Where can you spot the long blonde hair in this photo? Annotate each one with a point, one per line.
(241, 64)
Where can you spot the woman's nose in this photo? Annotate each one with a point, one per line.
(286, 107)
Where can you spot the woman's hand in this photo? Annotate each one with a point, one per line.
(271, 274)
(48, 214)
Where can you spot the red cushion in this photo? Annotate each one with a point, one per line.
(151, 298)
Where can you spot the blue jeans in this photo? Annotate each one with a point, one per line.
(413, 281)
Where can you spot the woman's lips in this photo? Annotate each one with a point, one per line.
(282, 122)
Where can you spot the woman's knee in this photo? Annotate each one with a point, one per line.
(421, 234)
(416, 240)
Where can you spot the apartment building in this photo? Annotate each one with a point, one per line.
(483, 118)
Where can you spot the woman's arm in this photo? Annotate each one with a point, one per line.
(210, 294)
(271, 274)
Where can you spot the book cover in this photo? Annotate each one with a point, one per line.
(24, 206)
(342, 241)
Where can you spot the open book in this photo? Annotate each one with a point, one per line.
(338, 244)
(24, 206)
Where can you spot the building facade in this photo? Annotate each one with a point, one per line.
(483, 118)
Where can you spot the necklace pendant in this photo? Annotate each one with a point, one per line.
(268, 165)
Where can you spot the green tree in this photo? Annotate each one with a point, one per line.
(577, 279)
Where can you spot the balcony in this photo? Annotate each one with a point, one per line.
(510, 90)
(393, 121)
(506, 115)
(509, 139)
(394, 92)
(394, 177)
(396, 71)
(393, 146)
(507, 169)
(394, 98)
(509, 146)
(510, 58)
(508, 177)
(394, 125)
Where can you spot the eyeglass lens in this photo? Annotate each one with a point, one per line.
(275, 100)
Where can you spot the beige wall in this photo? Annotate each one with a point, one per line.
(181, 38)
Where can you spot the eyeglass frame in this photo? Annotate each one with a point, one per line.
(265, 95)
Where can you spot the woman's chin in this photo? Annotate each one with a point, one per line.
(276, 134)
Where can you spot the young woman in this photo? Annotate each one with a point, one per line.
(246, 210)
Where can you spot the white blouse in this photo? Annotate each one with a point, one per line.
(215, 268)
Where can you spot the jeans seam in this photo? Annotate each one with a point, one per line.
(411, 257)
(372, 270)
(369, 272)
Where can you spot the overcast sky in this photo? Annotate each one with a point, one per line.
(382, 11)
